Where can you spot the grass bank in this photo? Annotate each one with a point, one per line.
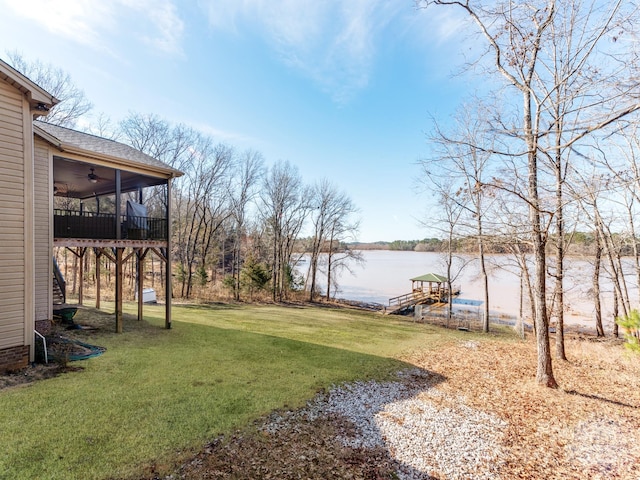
(157, 395)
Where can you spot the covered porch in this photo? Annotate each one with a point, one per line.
(111, 201)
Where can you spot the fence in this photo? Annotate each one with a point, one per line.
(470, 319)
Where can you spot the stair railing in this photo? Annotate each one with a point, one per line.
(57, 274)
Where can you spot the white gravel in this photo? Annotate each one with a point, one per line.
(453, 442)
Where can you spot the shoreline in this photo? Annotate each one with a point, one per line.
(577, 325)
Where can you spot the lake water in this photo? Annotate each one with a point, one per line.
(387, 274)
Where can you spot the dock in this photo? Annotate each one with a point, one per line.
(435, 292)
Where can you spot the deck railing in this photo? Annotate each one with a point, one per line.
(102, 226)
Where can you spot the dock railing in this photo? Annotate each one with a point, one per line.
(408, 299)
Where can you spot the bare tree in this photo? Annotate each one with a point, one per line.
(625, 169)
(597, 262)
(465, 153)
(340, 256)
(155, 136)
(200, 196)
(590, 194)
(331, 214)
(104, 127)
(522, 39)
(284, 208)
(73, 102)
(249, 170)
(205, 203)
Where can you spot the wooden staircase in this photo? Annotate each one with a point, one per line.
(59, 286)
(399, 303)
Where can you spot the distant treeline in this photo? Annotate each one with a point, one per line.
(581, 243)
(426, 245)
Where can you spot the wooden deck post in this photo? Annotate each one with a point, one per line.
(119, 281)
(81, 259)
(98, 253)
(168, 280)
(140, 268)
(118, 206)
(140, 282)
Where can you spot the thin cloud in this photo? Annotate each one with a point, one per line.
(221, 135)
(75, 20)
(331, 42)
(167, 26)
(90, 23)
(448, 24)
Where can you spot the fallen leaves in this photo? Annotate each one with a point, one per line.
(589, 428)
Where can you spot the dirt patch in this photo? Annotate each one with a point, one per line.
(304, 449)
(33, 374)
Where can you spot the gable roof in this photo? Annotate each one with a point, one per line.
(39, 99)
(92, 146)
(430, 277)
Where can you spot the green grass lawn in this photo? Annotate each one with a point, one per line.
(157, 395)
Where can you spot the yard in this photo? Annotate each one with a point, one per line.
(156, 396)
(225, 394)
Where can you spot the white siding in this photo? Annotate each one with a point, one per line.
(42, 230)
(12, 210)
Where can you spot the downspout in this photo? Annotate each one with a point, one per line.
(44, 345)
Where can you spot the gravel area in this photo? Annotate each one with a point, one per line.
(454, 442)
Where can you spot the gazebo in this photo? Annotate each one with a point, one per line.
(440, 289)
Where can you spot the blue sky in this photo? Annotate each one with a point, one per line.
(341, 89)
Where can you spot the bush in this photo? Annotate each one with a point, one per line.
(254, 275)
(631, 325)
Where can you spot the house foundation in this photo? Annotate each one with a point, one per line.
(14, 358)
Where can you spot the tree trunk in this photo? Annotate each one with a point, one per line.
(596, 285)
(485, 277)
(559, 276)
(623, 284)
(330, 260)
(313, 268)
(615, 313)
(544, 373)
(75, 274)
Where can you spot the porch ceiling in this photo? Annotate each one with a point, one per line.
(70, 177)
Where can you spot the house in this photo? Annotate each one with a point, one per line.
(38, 162)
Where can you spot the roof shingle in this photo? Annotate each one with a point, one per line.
(94, 144)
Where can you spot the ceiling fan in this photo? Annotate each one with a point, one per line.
(92, 177)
